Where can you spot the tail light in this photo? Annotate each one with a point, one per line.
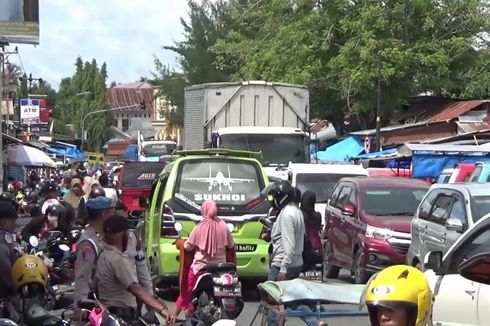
(168, 223)
(225, 279)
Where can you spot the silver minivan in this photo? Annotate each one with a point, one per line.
(446, 211)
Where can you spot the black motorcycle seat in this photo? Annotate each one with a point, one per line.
(219, 267)
(86, 304)
(37, 315)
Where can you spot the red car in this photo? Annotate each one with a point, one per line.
(134, 181)
(367, 224)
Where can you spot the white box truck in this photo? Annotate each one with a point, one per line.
(253, 115)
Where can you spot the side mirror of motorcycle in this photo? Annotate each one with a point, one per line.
(64, 247)
(33, 241)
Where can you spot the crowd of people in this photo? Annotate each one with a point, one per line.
(110, 261)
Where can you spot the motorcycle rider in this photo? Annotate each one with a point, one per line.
(209, 240)
(287, 233)
(136, 252)
(54, 216)
(116, 279)
(89, 247)
(398, 296)
(8, 250)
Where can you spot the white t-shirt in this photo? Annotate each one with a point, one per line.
(111, 193)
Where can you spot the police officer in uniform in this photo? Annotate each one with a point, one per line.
(90, 245)
(117, 283)
(9, 251)
(136, 252)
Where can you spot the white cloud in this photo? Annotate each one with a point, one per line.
(123, 33)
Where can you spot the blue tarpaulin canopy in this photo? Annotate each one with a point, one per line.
(69, 152)
(387, 153)
(430, 160)
(344, 150)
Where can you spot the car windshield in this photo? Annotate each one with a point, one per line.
(158, 149)
(392, 201)
(480, 206)
(320, 183)
(231, 184)
(276, 149)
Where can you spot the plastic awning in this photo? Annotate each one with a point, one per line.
(344, 150)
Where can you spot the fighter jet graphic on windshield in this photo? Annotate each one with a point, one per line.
(220, 180)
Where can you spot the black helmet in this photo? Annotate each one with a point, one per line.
(48, 187)
(55, 210)
(97, 192)
(282, 193)
(7, 196)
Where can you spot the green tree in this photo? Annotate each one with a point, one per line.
(341, 48)
(80, 94)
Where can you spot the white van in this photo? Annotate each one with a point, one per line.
(321, 178)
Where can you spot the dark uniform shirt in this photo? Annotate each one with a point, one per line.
(8, 255)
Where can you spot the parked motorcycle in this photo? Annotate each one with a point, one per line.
(30, 277)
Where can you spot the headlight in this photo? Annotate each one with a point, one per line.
(379, 233)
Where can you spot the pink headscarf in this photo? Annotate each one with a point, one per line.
(211, 233)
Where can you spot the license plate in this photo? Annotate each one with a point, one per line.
(245, 247)
(311, 275)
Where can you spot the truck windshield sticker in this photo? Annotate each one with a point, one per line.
(224, 182)
(220, 180)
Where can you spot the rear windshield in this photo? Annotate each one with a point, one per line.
(159, 149)
(392, 201)
(230, 184)
(480, 206)
(320, 183)
(141, 174)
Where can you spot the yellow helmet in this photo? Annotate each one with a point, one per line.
(399, 287)
(29, 269)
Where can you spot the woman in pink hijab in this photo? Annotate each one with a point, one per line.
(209, 239)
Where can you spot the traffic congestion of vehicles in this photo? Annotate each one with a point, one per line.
(367, 227)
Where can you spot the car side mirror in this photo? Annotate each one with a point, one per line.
(142, 202)
(349, 210)
(423, 214)
(476, 268)
(433, 260)
(454, 224)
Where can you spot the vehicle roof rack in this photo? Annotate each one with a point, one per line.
(221, 152)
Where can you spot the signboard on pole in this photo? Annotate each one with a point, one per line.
(29, 112)
(19, 21)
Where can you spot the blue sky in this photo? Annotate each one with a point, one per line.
(123, 33)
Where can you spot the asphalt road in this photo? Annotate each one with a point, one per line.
(252, 303)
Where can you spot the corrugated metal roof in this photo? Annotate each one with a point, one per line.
(368, 132)
(134, 85)
(123, 97)
(454, 110)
